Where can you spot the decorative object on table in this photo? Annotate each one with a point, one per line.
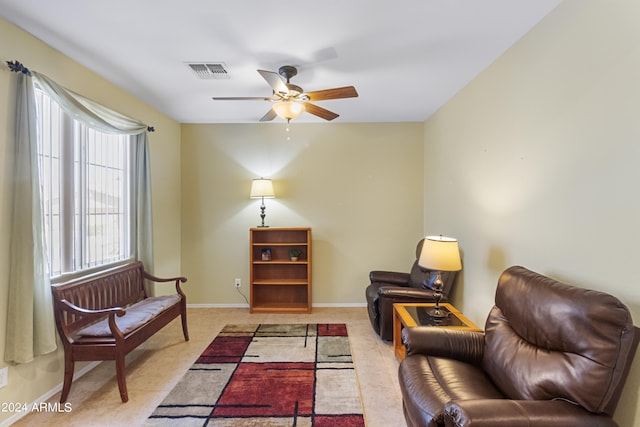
(266, 254)
(261, 189)
(440, 254)
(268, 374)
(294, 254)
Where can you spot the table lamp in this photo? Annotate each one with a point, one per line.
(261, 189)
(439, 254)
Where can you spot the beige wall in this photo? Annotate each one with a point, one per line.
(358, 186)
(534, 163)
(30, 381)
(537, 162)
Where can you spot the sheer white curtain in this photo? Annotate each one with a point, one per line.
(30, 325)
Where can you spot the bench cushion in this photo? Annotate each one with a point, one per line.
(137, 315)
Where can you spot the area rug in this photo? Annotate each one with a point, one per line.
(287, 375)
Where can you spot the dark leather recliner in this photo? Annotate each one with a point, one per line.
(551, 355)
(389, 287)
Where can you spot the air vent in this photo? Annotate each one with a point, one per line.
(209, 70)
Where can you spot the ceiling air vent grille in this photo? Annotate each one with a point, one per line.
(209, 70)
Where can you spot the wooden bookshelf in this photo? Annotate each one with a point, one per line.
(277, 283)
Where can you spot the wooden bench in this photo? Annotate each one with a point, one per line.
(106, 315)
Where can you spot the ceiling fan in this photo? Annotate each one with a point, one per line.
(290, 101)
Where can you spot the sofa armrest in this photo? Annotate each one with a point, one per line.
(391, 277)
(466, 346)
(520, 413)
(406, 294)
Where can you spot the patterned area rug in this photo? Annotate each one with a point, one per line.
(285, 375)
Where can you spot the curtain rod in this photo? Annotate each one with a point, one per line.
(17, 67)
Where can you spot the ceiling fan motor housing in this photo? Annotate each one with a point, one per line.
(294, 90)
(288, 71)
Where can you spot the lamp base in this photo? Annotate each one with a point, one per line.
(262, 214)
(438, 314)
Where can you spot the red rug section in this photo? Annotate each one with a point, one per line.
(332, 330)
(225, 350)
(338, 421)
(268, 389)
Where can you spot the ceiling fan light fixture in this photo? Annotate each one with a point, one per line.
(289, 110)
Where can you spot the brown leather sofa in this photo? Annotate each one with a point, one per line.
(389, 287)
(551, 354)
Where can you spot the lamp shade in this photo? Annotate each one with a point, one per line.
(440, 254)
(262, 188)
(288, 109)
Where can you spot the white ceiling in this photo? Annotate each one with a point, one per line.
(406, 58)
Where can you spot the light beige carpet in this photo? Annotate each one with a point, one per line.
(156, 367)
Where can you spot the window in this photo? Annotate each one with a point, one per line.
(86, 185)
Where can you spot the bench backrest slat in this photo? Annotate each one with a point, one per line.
(117, 287)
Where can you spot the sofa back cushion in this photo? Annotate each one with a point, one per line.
(547, 340)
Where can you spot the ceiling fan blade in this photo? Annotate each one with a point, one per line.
(336, 93)
(320, 112)
(271, 114)
(275, 81)
(241, 98)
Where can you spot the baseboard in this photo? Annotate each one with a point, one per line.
(340, 305)
(217, 305)
(324, 305)
(47, 396)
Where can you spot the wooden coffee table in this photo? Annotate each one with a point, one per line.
(415, 314)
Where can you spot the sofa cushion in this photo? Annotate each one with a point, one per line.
(137, 315)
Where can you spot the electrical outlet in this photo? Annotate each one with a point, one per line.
(238, 282)
(4, 376)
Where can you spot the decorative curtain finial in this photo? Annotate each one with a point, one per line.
(17, 67)
(151, 129)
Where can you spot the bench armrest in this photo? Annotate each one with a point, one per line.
(178, 280)
(98, 314)
(85, 312)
